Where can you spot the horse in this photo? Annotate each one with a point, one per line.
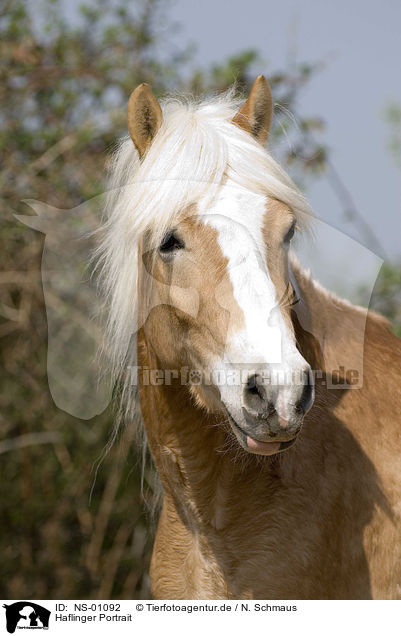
(280, 471)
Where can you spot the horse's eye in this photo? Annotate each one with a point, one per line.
(290, 233)
(170, 243)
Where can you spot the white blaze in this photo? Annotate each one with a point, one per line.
(265, 341)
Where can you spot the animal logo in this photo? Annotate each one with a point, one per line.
(26, 615)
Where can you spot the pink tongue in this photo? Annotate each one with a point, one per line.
(262, 448)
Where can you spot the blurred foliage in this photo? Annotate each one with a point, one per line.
(386, 297)
(64, 88)
(393, 118)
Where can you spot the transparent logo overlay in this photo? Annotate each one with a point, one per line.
(80, 384)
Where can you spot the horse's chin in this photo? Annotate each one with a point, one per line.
(209, 399)
(256, 446)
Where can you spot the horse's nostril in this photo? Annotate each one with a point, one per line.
(306, 397)
(255, 395)
(254, 386)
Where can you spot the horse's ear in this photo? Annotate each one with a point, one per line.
(255, 116)
(144, 117)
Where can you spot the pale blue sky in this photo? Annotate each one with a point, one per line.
(360, 42)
